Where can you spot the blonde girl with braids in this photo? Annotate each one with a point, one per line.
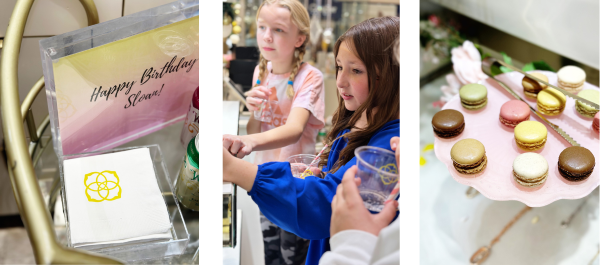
(282, 34)
(283, 29)
(368, 113)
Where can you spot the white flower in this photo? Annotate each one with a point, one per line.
(467, 64)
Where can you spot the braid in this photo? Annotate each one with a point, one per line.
(296, 62)
(262, 69)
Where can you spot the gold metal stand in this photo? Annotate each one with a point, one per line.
(27, 192)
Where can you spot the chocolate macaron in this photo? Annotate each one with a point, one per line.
(448, 123)
(576, 163)
(468, 156)
(531, 88)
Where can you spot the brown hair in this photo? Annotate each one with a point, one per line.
(301, 19)
(372, 41)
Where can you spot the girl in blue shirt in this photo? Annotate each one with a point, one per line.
(368, 114)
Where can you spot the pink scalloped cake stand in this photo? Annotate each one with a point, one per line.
(496, 181)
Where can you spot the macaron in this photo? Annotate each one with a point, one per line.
(551, 102)
(530, 169)
(468, 156)
(531, 135)
(585, 109)
(473, 96)
(514, 112)
(571, 78)
(532, 87)
(448, 123)
(576, 163)
(596, 122)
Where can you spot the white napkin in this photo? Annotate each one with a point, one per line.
(138, 213)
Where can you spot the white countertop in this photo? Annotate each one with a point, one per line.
(231, 116)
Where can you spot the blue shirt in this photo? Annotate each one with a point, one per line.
(303, 206)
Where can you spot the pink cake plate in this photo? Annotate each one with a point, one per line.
(496, 181)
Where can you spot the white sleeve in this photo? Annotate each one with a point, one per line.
(387, 250)
(349, 247)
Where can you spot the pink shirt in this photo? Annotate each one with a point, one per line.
(309, 94)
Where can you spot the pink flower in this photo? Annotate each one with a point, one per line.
(467, 63)
(434, 20)
(451, 89)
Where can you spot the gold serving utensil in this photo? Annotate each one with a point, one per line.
(568, 94)
(482, 253)
(471, 193)
(486, 66)
(565, 223)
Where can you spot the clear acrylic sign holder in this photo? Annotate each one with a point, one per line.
(123, 57)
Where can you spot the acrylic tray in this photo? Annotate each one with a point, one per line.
(82, 67)
(140, 251)
(496, 181)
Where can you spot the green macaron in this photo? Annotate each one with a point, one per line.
(473, 96)
(585, 109)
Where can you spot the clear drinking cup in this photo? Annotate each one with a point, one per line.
(265, 110)
(378, 172)
(299, 163)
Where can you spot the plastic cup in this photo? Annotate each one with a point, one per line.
(299, 163)
(265, 111)
(378, 172)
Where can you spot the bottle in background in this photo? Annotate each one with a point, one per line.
(186, 188)
(190, 126)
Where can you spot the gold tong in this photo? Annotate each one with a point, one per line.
(482, 253)
(486, 66)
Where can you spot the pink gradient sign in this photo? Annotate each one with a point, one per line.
(115, 93)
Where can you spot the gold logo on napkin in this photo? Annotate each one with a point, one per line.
(101, 186)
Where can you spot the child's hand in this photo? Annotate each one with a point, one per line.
(227, 160)
(316, 171)
(313, 171)
(238, 146)
(349, 212)
(255, 97)
(395, 143)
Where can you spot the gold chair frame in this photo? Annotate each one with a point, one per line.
(19, 156)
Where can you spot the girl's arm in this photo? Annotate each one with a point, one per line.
(253, 126)
(300, 206)
(281, 136)
(238, 171)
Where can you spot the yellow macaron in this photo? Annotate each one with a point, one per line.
(531, 135)
(551, 101)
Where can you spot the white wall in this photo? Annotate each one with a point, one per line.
(569, 28)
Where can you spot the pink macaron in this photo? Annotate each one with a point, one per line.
(596, 122)
(514, 112)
